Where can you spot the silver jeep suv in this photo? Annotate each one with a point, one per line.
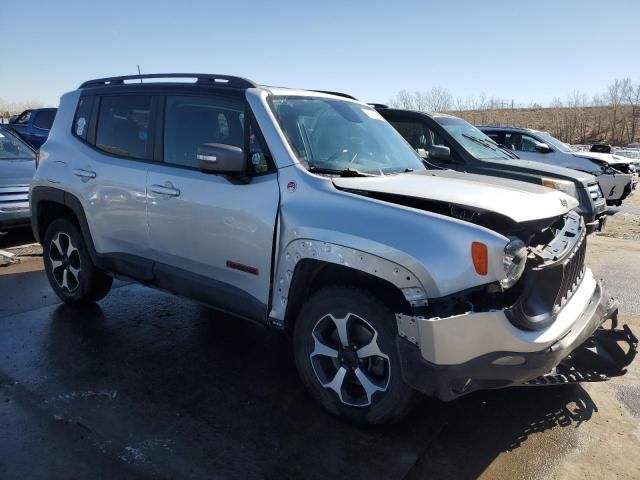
(308, 212)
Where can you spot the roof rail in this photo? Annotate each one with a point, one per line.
(337, 94)
(378, 105)
(201, 78)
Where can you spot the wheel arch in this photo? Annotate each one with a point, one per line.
(48, 203)
(306, 266)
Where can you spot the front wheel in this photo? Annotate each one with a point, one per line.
(346, 355)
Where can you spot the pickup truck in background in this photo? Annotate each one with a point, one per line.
(33, 125)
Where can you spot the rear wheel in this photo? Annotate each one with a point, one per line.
(71, 273)
(345, 352)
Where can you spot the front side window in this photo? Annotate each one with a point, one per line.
(44, 119)
(12, 148)
(421, 137)
(191, 121)
(123, 126)
(520, 142)
(336, 135)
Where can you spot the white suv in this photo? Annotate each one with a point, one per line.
(308, 212)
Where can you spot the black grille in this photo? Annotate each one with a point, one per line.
(572, 272)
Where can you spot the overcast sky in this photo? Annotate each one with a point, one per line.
(521, 50)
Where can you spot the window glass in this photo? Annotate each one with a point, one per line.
(471, 139)
(191, 121)
(520, 142)
(83, 116)
(45, 119)
(123, 126)
(331, 134)
(529, 144)
(11, 147)
(24, 117)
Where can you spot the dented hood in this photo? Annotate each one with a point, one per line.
(520, 201)
(610, 158)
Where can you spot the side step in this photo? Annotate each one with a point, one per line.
(599, 358)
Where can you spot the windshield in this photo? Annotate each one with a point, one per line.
(12, 148)
(472, 140)
(554, 142)
(336, 135)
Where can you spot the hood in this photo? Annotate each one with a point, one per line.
(609, 158)
(519, 201)
(545, 169)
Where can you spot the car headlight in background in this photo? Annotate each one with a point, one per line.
(514, 261)
(563, 185)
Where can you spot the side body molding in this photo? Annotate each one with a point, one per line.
(300, 249)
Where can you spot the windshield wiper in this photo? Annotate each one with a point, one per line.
(484, 143)
(347, 172)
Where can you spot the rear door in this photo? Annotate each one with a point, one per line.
(110, 162)
(212, 235)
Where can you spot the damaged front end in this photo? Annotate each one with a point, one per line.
(545, 329)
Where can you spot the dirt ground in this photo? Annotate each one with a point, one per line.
(604, 443)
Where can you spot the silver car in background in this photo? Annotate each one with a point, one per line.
(616, 175)
(17, 166)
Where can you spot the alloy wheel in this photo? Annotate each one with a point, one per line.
(347, 359)
(65, 262)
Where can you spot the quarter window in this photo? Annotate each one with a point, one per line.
(83, 116)
(123, 126)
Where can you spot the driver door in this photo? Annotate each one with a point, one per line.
(212, 235)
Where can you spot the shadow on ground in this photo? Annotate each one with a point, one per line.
(166, 388)
(14, 238)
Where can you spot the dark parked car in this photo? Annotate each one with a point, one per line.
(17, 166)
(453, 143)
(34, 125)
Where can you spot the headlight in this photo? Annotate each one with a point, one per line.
(514, 261)
(563, 185)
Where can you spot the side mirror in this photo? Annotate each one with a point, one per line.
(542, 148)
(439, 152)
(221, 158)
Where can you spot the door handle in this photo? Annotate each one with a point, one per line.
(162, 190)
(79, 172)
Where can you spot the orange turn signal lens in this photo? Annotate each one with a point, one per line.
(480, 258)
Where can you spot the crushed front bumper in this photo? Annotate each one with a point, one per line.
(512, 367)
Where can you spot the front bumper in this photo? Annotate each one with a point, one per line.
(496, 355)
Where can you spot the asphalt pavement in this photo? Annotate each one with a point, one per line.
(147, 385)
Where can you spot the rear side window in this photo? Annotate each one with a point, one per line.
(83, 116)
(123, 126)
(44, 119)
(191, 121)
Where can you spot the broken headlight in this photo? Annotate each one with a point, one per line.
(563, 185)
(514, 261)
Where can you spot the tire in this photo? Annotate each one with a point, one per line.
(324, 363)
(70, 271)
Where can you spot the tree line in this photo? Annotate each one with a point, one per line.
(612, 116)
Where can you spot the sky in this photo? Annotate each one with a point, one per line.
(522, 50)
